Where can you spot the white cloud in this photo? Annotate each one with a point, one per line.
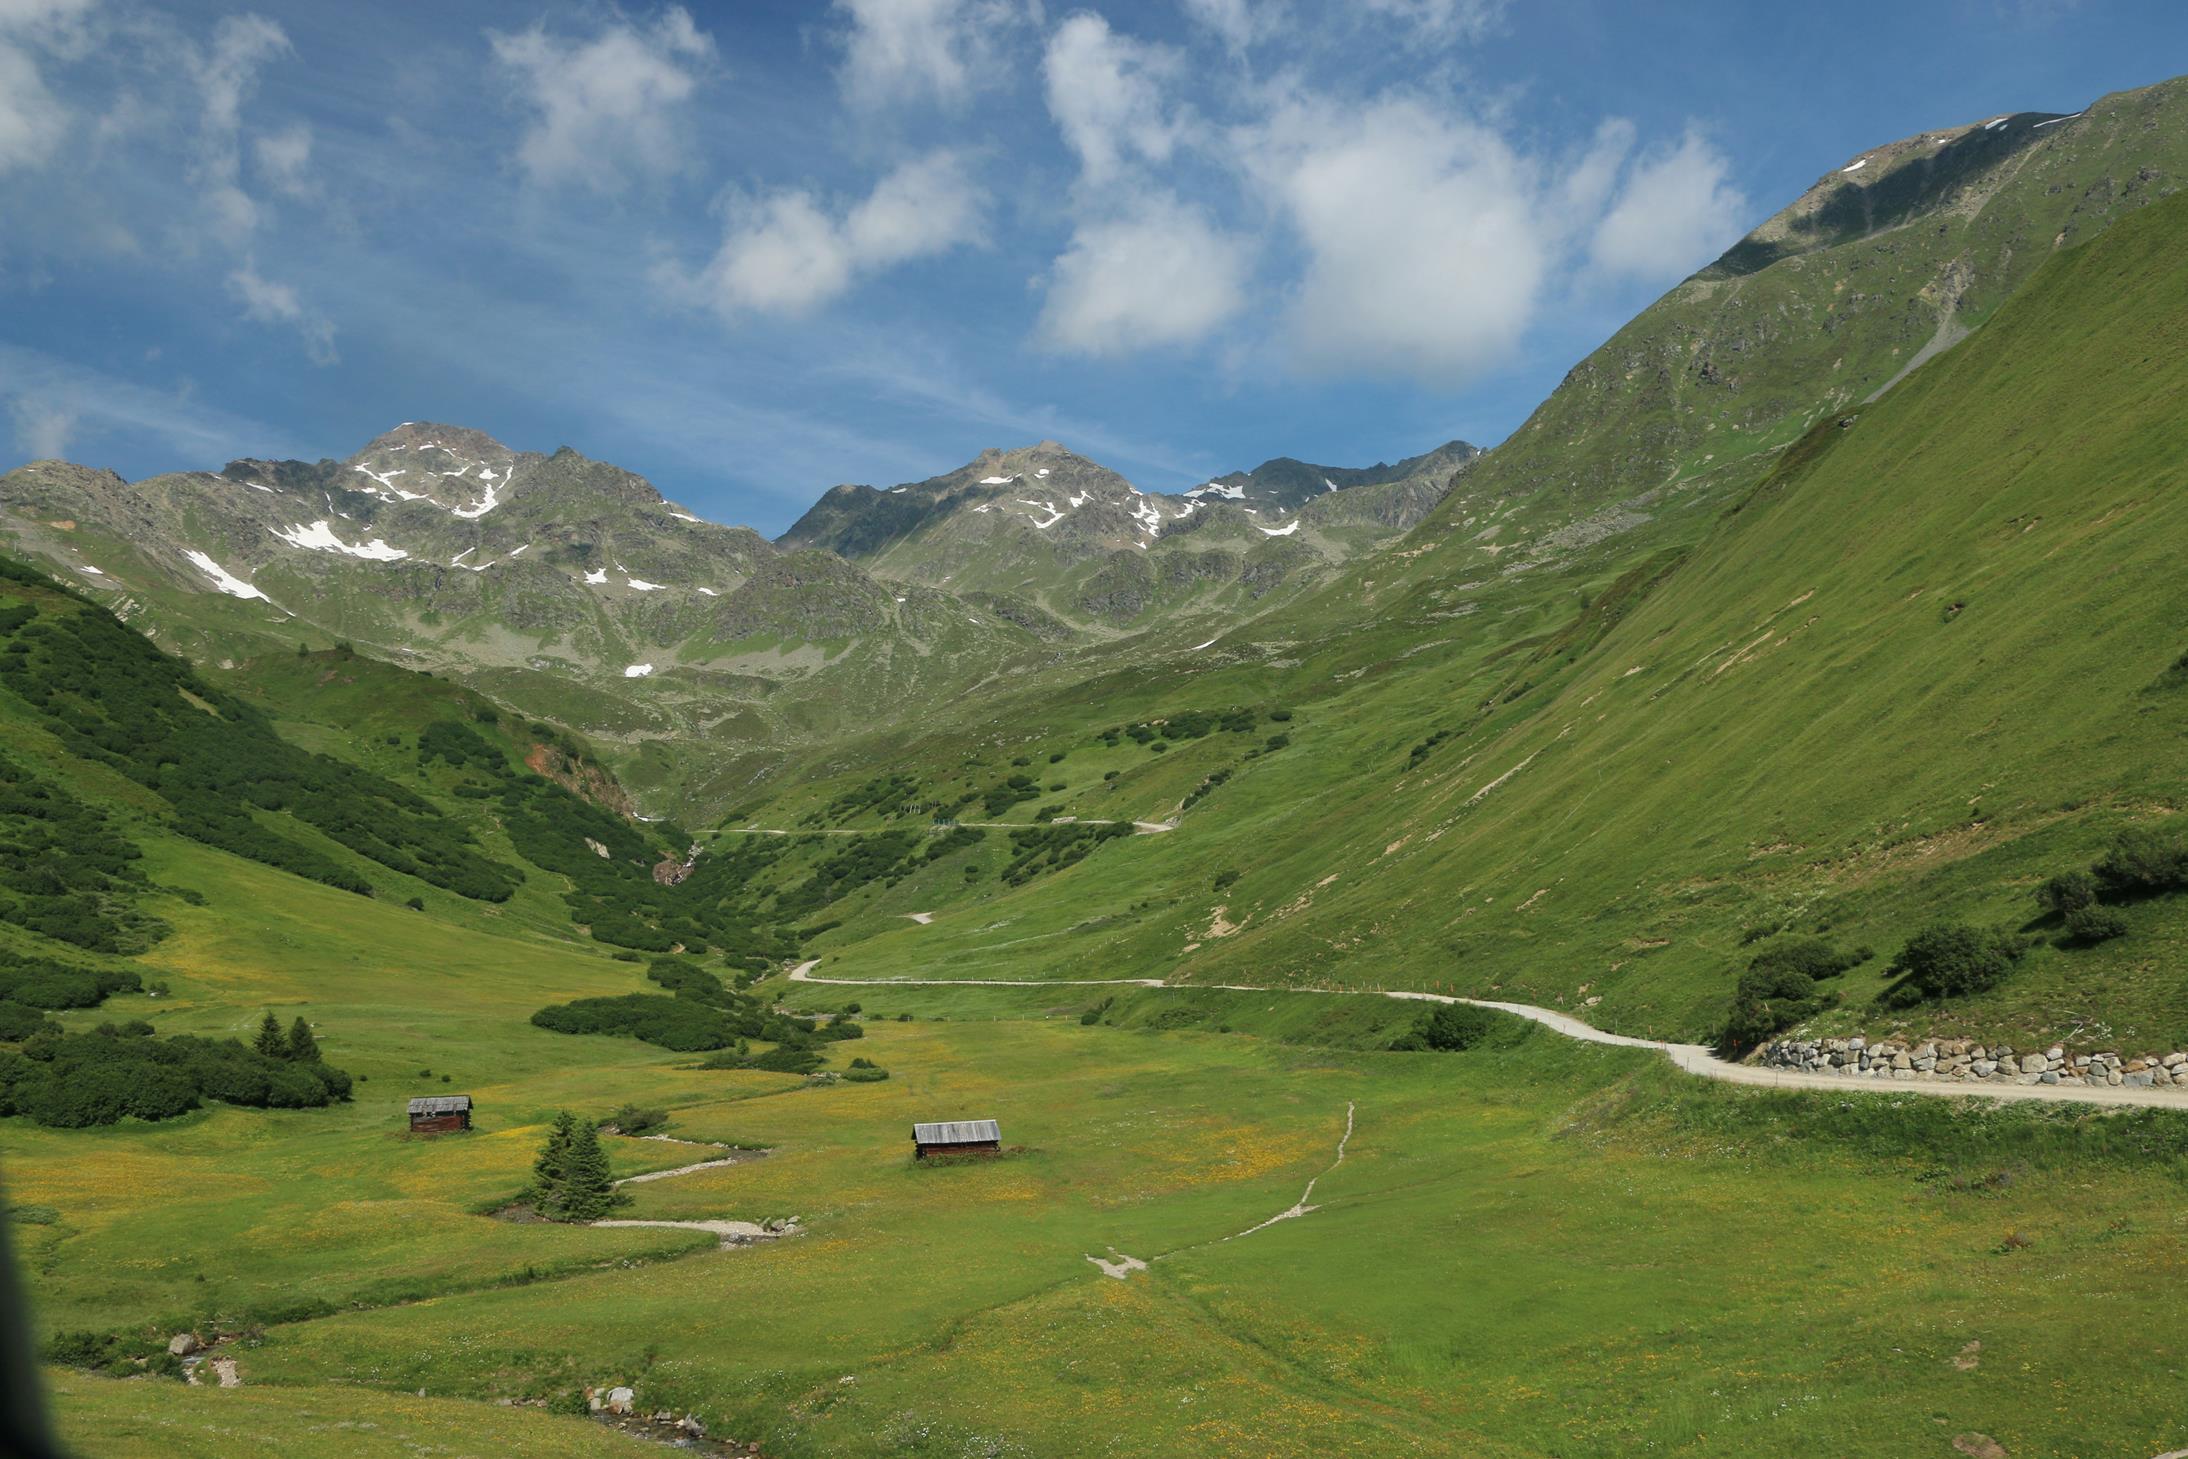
(1443, 20)
(1237, 23)
(1676, 212)
(1144, 269)
(788, 254)
(1163, 274)
(225, 76)
(32, 119)
(284, 158)
(267, 301)
(605, 106)
(1105, 92)
(32, 122)
(902, 50)
(1427, 246)
(43, 428)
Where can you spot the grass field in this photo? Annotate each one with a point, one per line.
(1545, 1249)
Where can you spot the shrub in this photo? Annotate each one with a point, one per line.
(1813, 956)
(783, 1059)
(1951, 960)
(18, 1022)
(72, 1081)
(2091, 925)
(2143, 861)
(679, 1023)
(2067, 893)
(634, 1120)
(1779, 989)
(1448, 1028)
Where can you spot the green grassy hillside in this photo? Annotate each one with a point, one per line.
(1925, 665)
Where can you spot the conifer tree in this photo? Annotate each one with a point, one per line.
(588, 1184)
(302, 1047)
(550, 1173)
(270, 1042)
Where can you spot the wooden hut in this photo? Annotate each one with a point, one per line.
(438, 1114)
(957, 1137)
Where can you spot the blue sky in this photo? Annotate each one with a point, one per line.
(754, 249)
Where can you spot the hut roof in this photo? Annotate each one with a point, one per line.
(441, 1104)
(957, 1132)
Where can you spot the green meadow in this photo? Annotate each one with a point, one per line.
(1531, 1248)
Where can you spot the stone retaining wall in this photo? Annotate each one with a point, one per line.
(1964, 1060)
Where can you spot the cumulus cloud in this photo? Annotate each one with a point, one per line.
(1161, 274)
(1676, 212)
(266, 301)
(604, 107)
(1144, 269)
(789, 253)
(1427, 243)
(1105, 92)
(902, 50)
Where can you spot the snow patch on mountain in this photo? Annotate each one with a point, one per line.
(597, 576)
(320, 537)
(223, 579)
(637, 671)
(1284, 531)
(491, 500)
(645, 587)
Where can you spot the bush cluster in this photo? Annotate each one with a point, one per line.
(1778, 989)
(66, 871)
(76, 1080)
(1951, 960)
(697, 1015)
(2143, 861)
(1051, 848)
(1449, 1028)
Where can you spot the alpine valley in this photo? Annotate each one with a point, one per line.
(1806, 678)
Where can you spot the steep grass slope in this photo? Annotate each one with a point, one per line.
(1928, 663)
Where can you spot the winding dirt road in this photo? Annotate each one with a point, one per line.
(1696, 1059)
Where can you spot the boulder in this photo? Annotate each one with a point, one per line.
(619, 1400)
(182, 1344)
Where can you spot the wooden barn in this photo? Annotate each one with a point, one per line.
(957, 1137)
(440, 1113)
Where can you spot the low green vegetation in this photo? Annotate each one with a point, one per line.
(125, 1071)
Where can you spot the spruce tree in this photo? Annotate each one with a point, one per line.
(588, 1185)
(550, 1173)
(270, 1042)
(302, 1047)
